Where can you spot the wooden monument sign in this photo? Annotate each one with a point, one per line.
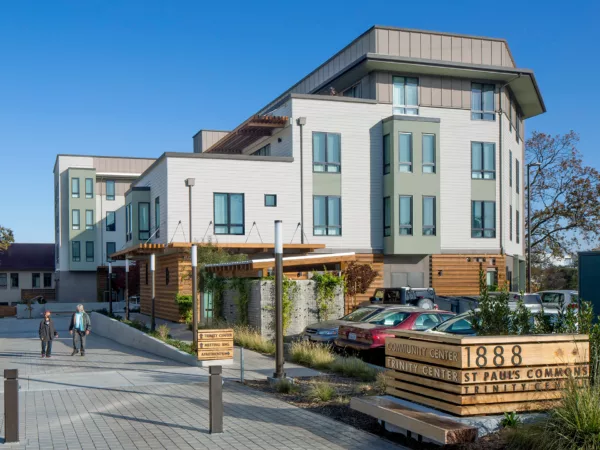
(215, 344)
(470, 375)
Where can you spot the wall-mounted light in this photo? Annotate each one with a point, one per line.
(279, 140)
(468, 259)
(493, 261)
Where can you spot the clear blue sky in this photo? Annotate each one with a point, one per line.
(139, 78)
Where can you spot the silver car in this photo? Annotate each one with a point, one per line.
(327, 331)
(559, 298)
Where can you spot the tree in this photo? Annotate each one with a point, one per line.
(358, 279)
(565, 196)
(6, 237)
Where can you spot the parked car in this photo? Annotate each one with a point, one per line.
(420, 297)
(370, 333)
(531, 301)
(327, 331)
(559, 299)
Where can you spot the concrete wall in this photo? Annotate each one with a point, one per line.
(76, 287)
(262, 306)
(65, 308)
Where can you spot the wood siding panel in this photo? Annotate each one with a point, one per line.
(456, 275)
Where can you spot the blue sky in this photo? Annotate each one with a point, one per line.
(137, 78)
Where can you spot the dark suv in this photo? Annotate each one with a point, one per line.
(420, 297)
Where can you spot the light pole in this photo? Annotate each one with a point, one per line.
(109, 288)
(279, 373)
(126, 288)
(529, 166)
(301, 122)
(190, 182)
(153, 310)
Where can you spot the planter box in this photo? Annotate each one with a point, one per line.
(484, 375)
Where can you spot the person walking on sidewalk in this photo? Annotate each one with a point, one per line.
(47, 334)
(80, 327)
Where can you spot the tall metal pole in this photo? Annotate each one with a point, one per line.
(126, 289)
(152, 271)
(279, 373)
(110, 288)
(301, 122)
(195, 295)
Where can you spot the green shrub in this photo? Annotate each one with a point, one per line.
(510, 420)
(247, 337)
(380, 383)
(321, 391)
(353, 367)
(327, 284)
(311, 354)
(285, 386)
(185, 304)
(163, 332)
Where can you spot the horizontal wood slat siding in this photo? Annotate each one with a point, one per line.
(48, 294)
(461, 277)
(8, 311)
(376, 261)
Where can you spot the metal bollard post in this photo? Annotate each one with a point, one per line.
(215, 400)
(11, 405)
(242, 364)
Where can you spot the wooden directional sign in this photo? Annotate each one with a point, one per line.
(468, 375)
(215, 344)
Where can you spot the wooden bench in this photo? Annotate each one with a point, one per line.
(436, 428)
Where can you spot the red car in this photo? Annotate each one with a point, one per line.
(371, 333)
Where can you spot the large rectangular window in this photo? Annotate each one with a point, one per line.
(229, 213)
(89, 251)
(111, 248)
(518, 127)
(483, 160)
(47, 280)
(128, 222)
(75, 219)
(110, 190)
(35, 280)
(353, 91)
(14, 280)
(111, 224)
(517, 175)
(510, 176)
(406, 215)
(89, 219)
(428, 153)
(263, 151)
(327, 152)
(406, 95)
(405, 152)
(3, 281)
(482, 101)
(510, 223)
(387, 156)
(157, 217)
(429, 216)
(484, 220)
(327, 215)
(75, 187)
(518, 223)
(144, 221)
(89, 188)
(76, 251)
(387, 217)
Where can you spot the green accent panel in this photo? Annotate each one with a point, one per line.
(416, 183)
(327, 184)
(483, 190)
(82, 235)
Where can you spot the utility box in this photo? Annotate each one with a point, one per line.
(589, 269)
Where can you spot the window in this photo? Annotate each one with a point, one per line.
(387, 217)
(89, 188)
(518, 230)
(76, 251)
(491, 278)
(483, 160)
(89, 219)
(229, 213)
(426, 321)
(553, 297)
(484, 220)
(110, 190)
(429, 216)
(47, 280)
(327, 215)
(75, 219)
(510, 111)
(270, 200)
(167, 276)
(263, 151)
(111, 248)
(3, 281)
(327, 152)
(518, 127)
(146, 270)
(406, 98)
(510, 223)
(144, 220)
(406, 213)
(482, 101)
(510, 168)
(157, 217)
(89, 251)
(353, 91)
(110, 221)
(14, 280)
(428, 153)
(128, 222)
(386, 154)
(517, 175)
(75, 187)
(35, 280)
(405, 151)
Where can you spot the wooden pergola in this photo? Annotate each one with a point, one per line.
(250, 131)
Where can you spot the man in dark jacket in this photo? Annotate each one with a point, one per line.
(47, 334)
(80, 327)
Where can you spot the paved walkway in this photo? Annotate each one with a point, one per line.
(116, 397)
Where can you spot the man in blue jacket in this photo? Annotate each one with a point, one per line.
(80, 327)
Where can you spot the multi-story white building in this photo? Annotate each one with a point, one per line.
(406, 146)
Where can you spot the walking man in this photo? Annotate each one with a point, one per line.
(80, 327)
(47, 333)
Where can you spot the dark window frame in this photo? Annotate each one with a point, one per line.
(75, 193)
(143, 234)
(387, 229)
(518, 226)
(47, 276)
(36, 276)
(89, 258)
(326, 163)
(517, 176)
(14, 280)
(75, 244)
(327, 227)
(399, 108)
(4, 277)
(484, 113)
(483, 229)
(410, 163)
(265, 150)
(157, 217)
(89, 226)
(483, 171)
(410, 227)
(111, 197)
(429, 227)
(354, 91)
(274, 196)
(387, 153)
(429, 164)
(108, 252)
(89, 194)
(229, 225)
(510, 164)
(510, 223)
(114, 221)
(75, 226)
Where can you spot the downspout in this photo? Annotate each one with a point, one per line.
(301, 122)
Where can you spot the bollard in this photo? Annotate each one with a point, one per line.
(242, 365)
(11, 405)
(215, 400)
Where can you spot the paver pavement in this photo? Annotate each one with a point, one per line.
(120, 398)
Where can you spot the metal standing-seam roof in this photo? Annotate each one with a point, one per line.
(28, 257)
